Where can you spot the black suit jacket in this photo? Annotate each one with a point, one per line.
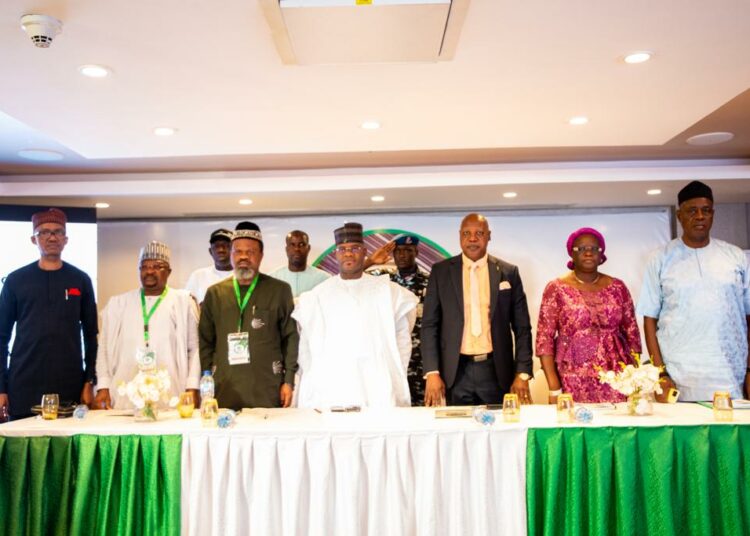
(443, 321)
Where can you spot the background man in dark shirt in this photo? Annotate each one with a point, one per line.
(49, 302)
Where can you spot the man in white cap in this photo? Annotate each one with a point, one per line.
(202, 278)
(355, 334)
(155, 322)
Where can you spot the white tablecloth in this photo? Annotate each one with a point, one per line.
(380, 473)
(399, 472)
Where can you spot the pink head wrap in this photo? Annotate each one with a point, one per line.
(585, 231)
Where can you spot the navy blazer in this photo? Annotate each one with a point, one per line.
(443, 321)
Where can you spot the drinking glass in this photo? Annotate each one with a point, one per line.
(723, 410)
(186, 405)
(511, 408)
(209, 411)
(50, 405)
(565, 411)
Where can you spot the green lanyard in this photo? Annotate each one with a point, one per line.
(242, 302)
(147, 316)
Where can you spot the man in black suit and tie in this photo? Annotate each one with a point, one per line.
(473, 302)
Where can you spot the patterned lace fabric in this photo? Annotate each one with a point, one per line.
(584, 330)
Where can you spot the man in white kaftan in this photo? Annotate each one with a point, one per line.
(695, 302)
(202, 278)
(172, 332)
(355, 334)
(297, 273)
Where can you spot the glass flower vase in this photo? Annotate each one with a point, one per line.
(148, 413)
(641, 404)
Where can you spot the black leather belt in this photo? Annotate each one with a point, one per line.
(477, 358)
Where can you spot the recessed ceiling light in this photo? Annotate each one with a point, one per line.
(94, 71)
(165, 131)
(101, 205)
(246, 201)
(377, 198)
(710, 138)
(578, 120)
(370, 125)
(40, 155)
(510, 195)
(655, 191)
(638, 57)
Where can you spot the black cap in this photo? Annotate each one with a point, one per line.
(693, 190)
(220, 234)
(350, 232)
(247, 229)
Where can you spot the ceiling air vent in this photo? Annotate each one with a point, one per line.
(315, 32)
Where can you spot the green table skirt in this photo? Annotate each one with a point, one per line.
(686, 480)
(90, 484)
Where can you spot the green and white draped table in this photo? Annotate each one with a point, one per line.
(392, 472)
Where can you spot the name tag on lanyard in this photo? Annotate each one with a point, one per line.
(238, 348)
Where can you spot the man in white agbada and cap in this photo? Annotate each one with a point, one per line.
(355, 334)
(155, 320)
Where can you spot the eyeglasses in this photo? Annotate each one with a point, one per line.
(587, 249)
(46, 233)
(342, 250)
(693, 211)
(154, 267)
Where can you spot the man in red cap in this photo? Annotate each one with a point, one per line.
(50, 303)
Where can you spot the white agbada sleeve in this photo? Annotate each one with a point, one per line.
(404, 316)
(194, 363)
(305, 315)
(104, 354)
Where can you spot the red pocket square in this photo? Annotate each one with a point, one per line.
(74, 292)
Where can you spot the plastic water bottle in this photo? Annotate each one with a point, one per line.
(584, 414)
(483, 416)
(81, 411)
(207, 385)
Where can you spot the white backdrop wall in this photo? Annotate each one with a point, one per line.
(533, 240)
(80, 250)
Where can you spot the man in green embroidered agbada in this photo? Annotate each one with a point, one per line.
(246, 331)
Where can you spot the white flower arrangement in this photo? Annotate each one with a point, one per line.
(147, 389)
(633, 379)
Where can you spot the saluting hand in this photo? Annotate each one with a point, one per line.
(383, 253)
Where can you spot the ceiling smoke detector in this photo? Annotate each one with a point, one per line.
(42, 29)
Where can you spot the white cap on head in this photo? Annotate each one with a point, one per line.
(154, 251)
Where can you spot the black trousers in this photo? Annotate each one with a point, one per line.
(476, 383)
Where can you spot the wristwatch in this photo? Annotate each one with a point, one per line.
(525, 377)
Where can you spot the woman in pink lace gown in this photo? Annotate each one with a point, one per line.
(586, 320)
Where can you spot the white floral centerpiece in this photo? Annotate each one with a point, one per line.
(638, 382)
(146, 390)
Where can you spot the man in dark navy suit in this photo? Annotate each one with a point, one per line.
(474, 301)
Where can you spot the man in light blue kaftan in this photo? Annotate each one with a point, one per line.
(696, 305)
